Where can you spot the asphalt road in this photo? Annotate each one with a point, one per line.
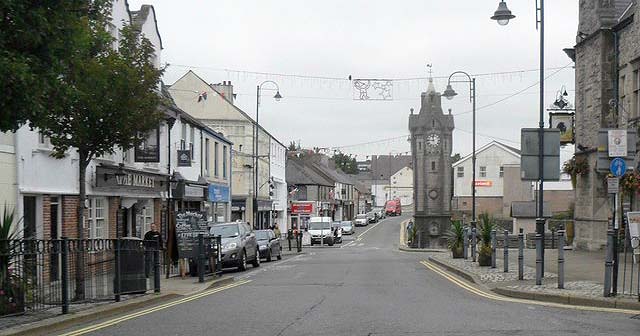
(366, 287)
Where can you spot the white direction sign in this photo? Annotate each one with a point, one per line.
(617, 143)
(613, 185)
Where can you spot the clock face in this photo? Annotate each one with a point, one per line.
(433, 140)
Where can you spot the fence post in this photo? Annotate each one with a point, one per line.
(521, 255)
(117, 279)
(506, 251)
(289, 234)
(538, 259)
(561, 259)
(299, 241)
(608, 264)
(493, 248)
(156, 268)
(473, 244)
(64, 256)
(465, 243)
(200, 264)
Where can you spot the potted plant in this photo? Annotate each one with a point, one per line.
(12, 289)
(455, 239)
(412, 231)
(487, 225)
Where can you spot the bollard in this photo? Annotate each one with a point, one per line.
(538, 259)
(506, 251)
(561, 259)
(553, 238)
(289, 240)
(465, 243)
(493, 248)
(156, 268)
(219, 255)
(608, 264)
(521, 255)
(117, 282)
(64, 277)
(200, 264)
(299, 242)
(473, 244)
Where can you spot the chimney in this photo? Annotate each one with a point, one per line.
(225, 89)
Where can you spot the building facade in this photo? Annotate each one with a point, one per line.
(431, 146)
(8, 184)
(401, 186)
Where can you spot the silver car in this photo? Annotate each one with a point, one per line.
(239, 245)
(348, 228)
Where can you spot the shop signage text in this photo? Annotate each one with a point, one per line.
(135, 180)
(484, 183)
(302, 208)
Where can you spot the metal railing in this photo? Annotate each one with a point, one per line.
(38, 274)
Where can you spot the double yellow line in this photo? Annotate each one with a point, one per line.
(152, 309)
(495, 297)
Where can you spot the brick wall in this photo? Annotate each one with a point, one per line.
(70, 216)
(114, 207)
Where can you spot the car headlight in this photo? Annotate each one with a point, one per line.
(231, 246)
(262, 247)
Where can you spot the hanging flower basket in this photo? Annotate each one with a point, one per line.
(577, 165)
(630, 183)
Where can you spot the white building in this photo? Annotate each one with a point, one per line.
(8, 184)
(491, 160)
(401, 186)
(278, 183)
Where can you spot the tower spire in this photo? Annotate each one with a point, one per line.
(430, 87)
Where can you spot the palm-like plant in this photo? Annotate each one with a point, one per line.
(487, 224)
(455, 238)
(9, 281)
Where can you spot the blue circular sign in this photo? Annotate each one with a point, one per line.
(618, 167)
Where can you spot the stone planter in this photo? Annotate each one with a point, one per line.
(484, 259)
(458, 252)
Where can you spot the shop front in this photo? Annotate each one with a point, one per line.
(300, 213)
(218, 203)
(265, 208)
(238, 209)
(133, 198)
(190, 195)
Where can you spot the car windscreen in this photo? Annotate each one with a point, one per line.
(346, 224)
(319, 225)
(226, 231)
(262, 235)
(361, 216)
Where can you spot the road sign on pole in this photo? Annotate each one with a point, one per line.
(618, 167)
(613, 185)
(617, 140)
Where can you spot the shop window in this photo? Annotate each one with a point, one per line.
(97, 220)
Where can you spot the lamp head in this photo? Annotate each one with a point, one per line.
(277, 97)
(449, 93)
(502, 14)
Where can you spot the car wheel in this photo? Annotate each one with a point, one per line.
(269, 256)
(242, 264)
(256, 261)
(330, 243)
(280, 255)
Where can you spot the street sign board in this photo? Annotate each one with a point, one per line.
(602, 165)
(613, 185)
(633, 223)
(618, 167)
(529, 159)
(617, 141)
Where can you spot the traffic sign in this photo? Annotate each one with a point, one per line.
(613, 185)
(618, 167)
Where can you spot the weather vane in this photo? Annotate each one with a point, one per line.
(430, 66)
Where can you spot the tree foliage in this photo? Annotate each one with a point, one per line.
(36, 40)
(346, 162)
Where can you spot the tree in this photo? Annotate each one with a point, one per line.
(111, 98)
(346, 163)
(34, 50)
(456, 157)
(293, 146)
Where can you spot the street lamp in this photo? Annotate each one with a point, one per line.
(503, 15)
(449, 93)
(277, 97)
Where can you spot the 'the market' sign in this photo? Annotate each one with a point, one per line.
(117, 178)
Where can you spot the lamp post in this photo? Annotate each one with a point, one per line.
(277, 97)
(502, 15)
(449, 93)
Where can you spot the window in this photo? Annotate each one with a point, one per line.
(206, 157)
(183, 137)
(192, 141)
(433, 165)
(224, 162)
(460, 171)
(483, 171)
(97, 218)
(501, 171)
(636, 92)
(43, 140)
(215, 159)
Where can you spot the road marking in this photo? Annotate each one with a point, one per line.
(152, 310)
(495, 297)
(367, 230)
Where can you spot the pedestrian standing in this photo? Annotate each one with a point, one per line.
(276, 230)
(152, 241)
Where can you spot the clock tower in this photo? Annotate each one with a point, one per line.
(431, 146)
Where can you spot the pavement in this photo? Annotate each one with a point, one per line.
(368, 289)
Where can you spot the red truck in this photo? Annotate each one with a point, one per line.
(393, 207)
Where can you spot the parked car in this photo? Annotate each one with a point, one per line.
(361, 220)
(347, 227)
(380, 212)
(320, 231)
(337, 232)
(239, 245)
(268, 245)
(371, 216)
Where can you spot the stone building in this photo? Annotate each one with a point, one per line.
(607, 62)
(431, 146)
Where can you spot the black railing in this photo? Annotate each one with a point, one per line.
(38, 274)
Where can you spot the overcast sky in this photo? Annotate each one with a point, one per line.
(234, 40)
